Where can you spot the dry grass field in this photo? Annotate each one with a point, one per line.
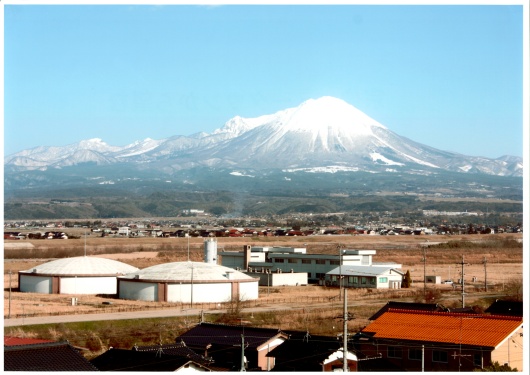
(504, 265)
(313, 308)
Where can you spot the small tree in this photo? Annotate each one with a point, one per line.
(497, 367)
(407, 280)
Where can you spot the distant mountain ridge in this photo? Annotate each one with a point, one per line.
(318, 134)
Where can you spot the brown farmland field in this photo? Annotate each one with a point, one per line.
(316, 307)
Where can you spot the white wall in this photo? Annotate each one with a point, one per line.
(88, 285)
(201, 292)
(138, 291)
(35, 284)
(248, 291)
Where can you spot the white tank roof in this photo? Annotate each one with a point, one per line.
(182, 271)
(83, 266)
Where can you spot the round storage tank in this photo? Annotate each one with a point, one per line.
(77, 275)
(210, 251)
(188, 282)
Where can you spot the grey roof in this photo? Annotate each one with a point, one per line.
(346, 270)
(184, 271)
(52, 356)
(82, 266)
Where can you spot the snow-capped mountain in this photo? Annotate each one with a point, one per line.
(319, 133)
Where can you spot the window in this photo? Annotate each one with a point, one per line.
(477, 360)
(321, 261)
(383, 279)
(355, 279)
(394, 352)
(279, 260)
(320, 275)
(363, 280)
(415, 354)
(439, 356)
(306, 261)
(335, 262)
(352, 280)
(372, 280)
(292, 260)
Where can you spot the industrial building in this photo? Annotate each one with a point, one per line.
(77, 275)
(379, 277)
(294, 260)
(188, 282)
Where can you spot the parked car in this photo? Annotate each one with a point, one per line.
(450, 282)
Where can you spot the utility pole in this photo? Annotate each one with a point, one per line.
(345, 317)
(345, 333)
(485, 275)
(340, 270)
(424, 276)
(9, 314)
(423, 358)
(462, 263)
(242, 353)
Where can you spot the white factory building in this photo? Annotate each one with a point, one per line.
(77, 275)
(188, 282)
(379, 277)
(294, 260)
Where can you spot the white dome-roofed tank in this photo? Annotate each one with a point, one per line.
(188, 282)
(210, 251)
(76, 275)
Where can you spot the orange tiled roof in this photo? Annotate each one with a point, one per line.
(458, 328)
(13, 341)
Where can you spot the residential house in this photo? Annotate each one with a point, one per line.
(511, 308)
(170, 357)
(416, 306)
(44, 356)
(234, 347)
(305, 352)
(443, 341)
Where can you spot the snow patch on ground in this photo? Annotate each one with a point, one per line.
(239, 174)
(328, 169)
(377, 156)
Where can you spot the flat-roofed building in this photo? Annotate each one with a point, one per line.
(294, 260)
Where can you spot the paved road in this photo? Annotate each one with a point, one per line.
(14, 322)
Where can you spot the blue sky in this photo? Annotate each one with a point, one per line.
(450, 77)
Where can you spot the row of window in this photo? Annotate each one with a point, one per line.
(415, 354)
(305, 261)
(364, 280)
(437, 355)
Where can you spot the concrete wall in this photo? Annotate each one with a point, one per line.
(280, 279)
(248, 291)
(35, 284)
(141, 291)
(88, 285)
(510, 351)
(183, 292)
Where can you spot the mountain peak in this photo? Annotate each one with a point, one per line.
(329, 112)
(317, 133)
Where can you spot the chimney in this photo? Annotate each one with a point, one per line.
(246, 257)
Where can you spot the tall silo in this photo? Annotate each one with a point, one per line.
(210, 251)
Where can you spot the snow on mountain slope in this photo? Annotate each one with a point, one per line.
(317, 134)
(138, 148)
